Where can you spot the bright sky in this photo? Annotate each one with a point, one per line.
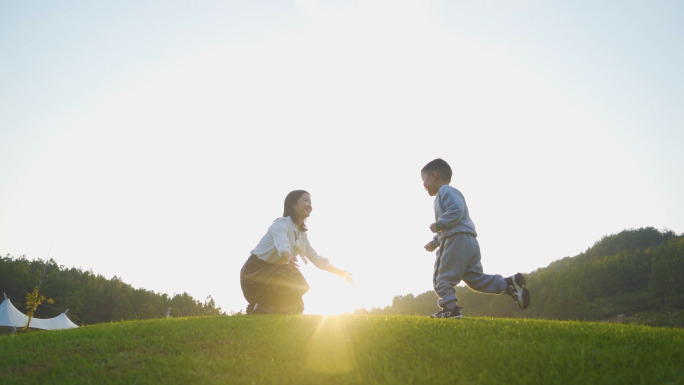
(156, 140)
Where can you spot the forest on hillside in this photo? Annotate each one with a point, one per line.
(635, 273)
(90, 298)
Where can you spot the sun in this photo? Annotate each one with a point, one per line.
(329, 296)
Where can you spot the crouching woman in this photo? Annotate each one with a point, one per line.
(270, 279)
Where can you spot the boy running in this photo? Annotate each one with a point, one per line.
(458, 253)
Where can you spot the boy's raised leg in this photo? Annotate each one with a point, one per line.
(516, 289)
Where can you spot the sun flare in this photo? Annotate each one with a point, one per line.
(330, 349)
(330, 296)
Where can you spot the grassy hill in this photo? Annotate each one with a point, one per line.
(345, 350)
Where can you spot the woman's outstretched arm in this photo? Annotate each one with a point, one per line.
(345, 275)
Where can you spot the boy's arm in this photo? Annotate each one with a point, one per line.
(455, 208)
(433, 244)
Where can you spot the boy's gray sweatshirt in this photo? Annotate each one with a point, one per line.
(451, 212)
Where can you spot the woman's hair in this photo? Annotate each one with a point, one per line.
(290, 200)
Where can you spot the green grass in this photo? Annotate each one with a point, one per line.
(345, 350)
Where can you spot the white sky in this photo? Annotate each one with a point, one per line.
(157, 140)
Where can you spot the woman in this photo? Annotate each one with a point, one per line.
(270, 279)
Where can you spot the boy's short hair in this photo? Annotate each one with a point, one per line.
(440, 166)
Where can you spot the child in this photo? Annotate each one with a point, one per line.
(458, 256)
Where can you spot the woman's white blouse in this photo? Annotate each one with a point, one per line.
(283, 235)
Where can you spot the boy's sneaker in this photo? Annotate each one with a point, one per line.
(516, 289)
(448, 313)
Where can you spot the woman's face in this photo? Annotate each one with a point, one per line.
(302, 207)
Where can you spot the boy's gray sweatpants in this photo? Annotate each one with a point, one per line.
(458, 259)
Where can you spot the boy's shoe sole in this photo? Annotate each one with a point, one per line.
(519, 292)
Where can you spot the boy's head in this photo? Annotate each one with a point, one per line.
(435, 175)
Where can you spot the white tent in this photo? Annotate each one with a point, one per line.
(11, 317)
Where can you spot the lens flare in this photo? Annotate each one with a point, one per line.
(330, 349)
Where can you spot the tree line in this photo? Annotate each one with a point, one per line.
(90, 298)
(638, 271)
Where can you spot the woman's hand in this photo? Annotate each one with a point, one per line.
(344, 275)
(291, 259)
